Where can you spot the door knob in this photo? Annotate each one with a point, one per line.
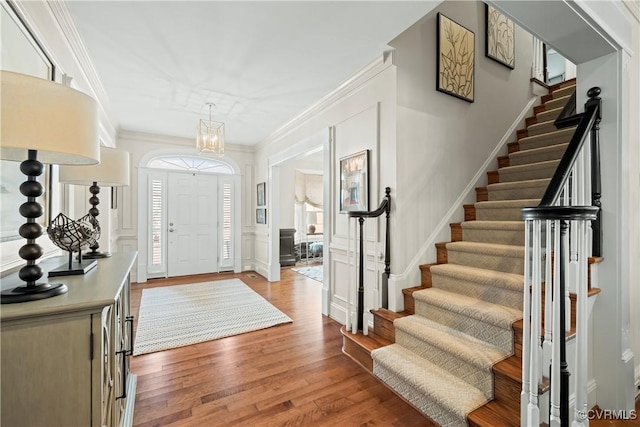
(171, 230)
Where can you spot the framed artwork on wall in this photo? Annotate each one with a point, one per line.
(354, 182)
(500, 42)
(262, 194)
(456, 59)
(261, 215)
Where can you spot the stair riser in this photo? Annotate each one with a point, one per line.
(546, 140)
(540, 155)
(490, 262)
(508, 214)
(527, 172)
(482, 380)
(562, 92)
(492, 294)
(556, 103)
(356, 352)
(504, 237)
(506, 390)
(418, 398)
(548, 115)
(534, 192)
(540, 128)
(474, 327)
(384, 328)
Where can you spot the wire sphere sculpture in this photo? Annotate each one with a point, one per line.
(73, 236)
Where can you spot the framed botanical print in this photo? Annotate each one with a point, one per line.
(456, 59)
(500, 42)
(354, 182)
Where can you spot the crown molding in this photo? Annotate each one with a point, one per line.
(60, 12)
(131, 135)
(381, 63)
(634, 8)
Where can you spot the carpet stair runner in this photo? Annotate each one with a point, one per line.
(455, 353)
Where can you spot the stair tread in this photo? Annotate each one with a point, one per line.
(547, 164)
(429, 378)
(537, 150)
(493, 278)
(542, 182)
(369, 342)
(487, 248)
(463, 346)
(493, 414)
(494, 314)
(387, 314)
(505, 204)
(493, 225)
(564, 134)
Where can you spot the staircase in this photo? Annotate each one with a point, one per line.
(455, 352)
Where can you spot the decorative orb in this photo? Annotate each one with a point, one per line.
(30, 230)
(31, 189)
(30, 273)
(30, 251)
(31, 210)
(31, 168)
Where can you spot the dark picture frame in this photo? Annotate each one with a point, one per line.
(354, 182)
(261, 216)
(261, 194)
(500, 40)
(456, 59)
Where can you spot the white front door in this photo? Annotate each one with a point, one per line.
(192, 224)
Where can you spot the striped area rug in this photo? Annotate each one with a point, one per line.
(177, 316)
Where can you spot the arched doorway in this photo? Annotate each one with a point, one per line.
(189, 215)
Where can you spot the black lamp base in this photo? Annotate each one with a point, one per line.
(73, 268)
(33, 292)
(96, 255)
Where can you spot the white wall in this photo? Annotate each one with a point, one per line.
(362, 114)
(442, 140)
(634, 200)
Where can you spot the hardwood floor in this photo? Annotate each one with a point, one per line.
(289, 375)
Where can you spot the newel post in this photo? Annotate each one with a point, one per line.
(596, 187)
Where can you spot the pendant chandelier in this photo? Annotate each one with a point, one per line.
(210, 136)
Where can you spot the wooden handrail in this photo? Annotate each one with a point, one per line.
(587, 121)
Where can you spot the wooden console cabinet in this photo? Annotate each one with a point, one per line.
(65, 359)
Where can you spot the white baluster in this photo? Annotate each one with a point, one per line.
(354, 312)
(582, 332)
(533, 411)
(347, 322)
(554, 417)
(548, 300)
(526, 329)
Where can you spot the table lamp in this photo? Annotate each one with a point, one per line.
(113, 171)
(312, 220)
(42, 122)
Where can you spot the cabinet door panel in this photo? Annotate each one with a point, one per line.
(46, 373)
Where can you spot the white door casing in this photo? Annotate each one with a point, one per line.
(192, 221)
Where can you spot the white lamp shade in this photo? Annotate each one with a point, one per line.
(312, 218)
(59, 122)
(112, 171)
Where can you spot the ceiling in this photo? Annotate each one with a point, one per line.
(261, 63)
